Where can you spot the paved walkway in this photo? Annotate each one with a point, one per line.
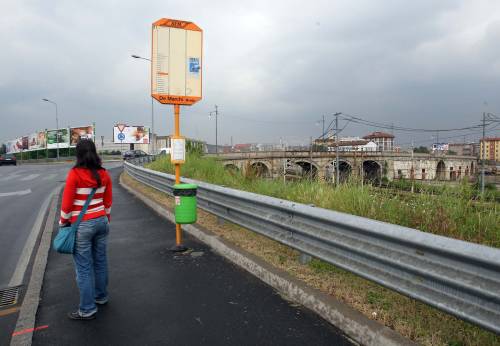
(159, 298)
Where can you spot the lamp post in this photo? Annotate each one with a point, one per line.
(57, 126)
(152, 110)
(216, 112)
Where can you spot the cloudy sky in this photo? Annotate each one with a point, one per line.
(274, 68)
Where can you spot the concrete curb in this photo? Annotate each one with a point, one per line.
(354, 324)
(27, 316)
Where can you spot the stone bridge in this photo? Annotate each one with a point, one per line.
(369, 165)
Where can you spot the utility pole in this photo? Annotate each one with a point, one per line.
(57, 127)
(337, 171)
(412, 169)
(310, 157)
(323, 133)
(483, 154)
(216, 135)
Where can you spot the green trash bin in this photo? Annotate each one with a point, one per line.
(185, 203)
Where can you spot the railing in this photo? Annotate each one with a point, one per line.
(457, 277)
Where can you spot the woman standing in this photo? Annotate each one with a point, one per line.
(90, 256)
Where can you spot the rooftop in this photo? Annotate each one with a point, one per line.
(378, 134)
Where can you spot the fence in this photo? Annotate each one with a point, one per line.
(454, 276)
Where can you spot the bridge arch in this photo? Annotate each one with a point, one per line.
(345, 170)
(441, 170)
(232, 168)
(372, 171)
(260, 169)
(309, 169)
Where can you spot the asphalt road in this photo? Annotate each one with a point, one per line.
(23, 191)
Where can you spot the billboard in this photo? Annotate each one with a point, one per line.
(14, 146)
(25, 142)
(55, 137)
(76, 133)
(440, 147)
(176, 62)
(36, 140)
(33, 141)
(130, 134)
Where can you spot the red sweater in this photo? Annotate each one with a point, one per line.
(79, 184)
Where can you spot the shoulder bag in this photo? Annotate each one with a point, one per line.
(64, 242)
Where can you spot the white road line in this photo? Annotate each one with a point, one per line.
(22, 263)
(30, 177)
(9, 177)
(15, 193)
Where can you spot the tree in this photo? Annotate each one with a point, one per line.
(3, 149)
(421, 149)
(451, 152)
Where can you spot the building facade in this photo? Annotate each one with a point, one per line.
(489, 149)
(384, 141)
(464, 149)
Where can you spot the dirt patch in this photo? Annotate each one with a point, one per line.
(408, 317)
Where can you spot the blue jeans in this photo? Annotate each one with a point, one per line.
(91, 263)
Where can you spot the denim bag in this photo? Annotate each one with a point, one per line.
(64, 242)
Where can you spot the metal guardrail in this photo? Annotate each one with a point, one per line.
(454, 276)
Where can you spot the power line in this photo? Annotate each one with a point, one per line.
(361, 121)
(454, 136)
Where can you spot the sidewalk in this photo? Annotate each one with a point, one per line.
(161, 298)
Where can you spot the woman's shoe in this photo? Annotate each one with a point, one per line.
(75, 315)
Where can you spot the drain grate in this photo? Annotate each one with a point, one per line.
(9, 296)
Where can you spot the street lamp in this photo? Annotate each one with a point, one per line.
(57, 126)
(216, 112)
(152, 109)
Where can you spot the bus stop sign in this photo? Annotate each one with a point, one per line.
(176, 62)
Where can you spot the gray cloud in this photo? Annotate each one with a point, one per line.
(273, 68)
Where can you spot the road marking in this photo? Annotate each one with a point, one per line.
(9, 311)
(15, 193)
(22, 263)
(30, 177)
(9, 177)
(29, 330)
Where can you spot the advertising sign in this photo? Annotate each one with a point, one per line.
(42, 139)
(54, 137)
(25, 142)
(14, 146)
(77, 133)
(440, 147)
(130, 134)
(33, 141)
(176, 62)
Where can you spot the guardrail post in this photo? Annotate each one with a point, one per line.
(304, 258)
(220, 221)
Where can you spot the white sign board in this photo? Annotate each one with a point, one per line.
(178, 154)
(130, 134)
(176, 62)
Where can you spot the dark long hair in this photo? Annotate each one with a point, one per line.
(86, 157)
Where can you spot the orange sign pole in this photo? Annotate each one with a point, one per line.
(178, 230)
(176, 78)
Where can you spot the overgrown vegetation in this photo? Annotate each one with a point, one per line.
(464, 190)
(451, 213)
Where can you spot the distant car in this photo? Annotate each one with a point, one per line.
(164, 151)
(132, 154)
(8, 159)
